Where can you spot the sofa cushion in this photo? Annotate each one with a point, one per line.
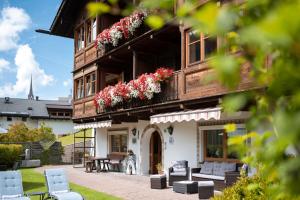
(218, 169)
(207, 168)
(179, 166)
(178, 173)
(228, 167)
(207, 176)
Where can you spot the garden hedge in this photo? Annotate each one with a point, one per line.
(9, 154)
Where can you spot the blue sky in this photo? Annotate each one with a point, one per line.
(24, 52)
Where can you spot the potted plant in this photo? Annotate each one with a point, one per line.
(159, 168)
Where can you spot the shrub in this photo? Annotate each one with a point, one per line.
(19, 132)
(9, 154)
(245, 188)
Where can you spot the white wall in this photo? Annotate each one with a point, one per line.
(183, 148)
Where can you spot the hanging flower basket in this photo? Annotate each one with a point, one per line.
(121, 31)
(132, 94)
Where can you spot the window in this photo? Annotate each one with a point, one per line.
(79, 38)
(118, 143)
(9, 119)
(113, 79)
(200, 46)
(94, 29)
(215, 144)
(89, 32)
(79, 88)
(90, 84)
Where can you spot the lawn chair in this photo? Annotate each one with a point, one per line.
(11, 187)
(58, 186)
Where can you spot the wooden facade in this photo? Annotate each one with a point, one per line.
(174, 46)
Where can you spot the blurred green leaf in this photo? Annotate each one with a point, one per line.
(155, 21)
(97, 8)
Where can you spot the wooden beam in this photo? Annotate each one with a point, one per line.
(134, 64)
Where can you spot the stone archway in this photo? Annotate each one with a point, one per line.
(144, 147)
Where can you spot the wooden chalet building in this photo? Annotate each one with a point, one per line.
(182, 122)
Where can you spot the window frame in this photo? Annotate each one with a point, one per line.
(80, 33)
(114, 132)
(77, 81)
(225, 158)
(91, 82)
(202, 39)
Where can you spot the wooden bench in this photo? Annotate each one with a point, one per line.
(115, 160)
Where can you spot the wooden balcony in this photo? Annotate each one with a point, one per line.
(189, 85)
(169, 92)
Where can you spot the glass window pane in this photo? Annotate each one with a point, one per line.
(194, 36)
(194, 52)
(214, 143)
(232, 154)
(94, 32)
(210, 46)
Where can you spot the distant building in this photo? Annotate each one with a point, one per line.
(56, 114)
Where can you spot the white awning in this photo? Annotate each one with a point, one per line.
(101, 124)
(197, 115)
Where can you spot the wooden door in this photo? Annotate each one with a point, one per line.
(155, 152)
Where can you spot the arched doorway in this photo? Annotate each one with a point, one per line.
(154, 134)
(155, 150)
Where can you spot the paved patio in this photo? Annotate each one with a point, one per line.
(120, 185)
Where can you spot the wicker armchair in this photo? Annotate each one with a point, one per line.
(181, 175)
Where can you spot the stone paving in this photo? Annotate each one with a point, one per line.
(131, 187)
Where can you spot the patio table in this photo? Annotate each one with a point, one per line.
(101, 163)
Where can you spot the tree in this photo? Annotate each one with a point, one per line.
(19, 132)
(266, 33)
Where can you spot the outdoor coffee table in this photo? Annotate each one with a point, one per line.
(185, 187)
(205, 189)
(158, 181)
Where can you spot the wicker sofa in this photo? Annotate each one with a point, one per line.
(179, 171)
(223, 174)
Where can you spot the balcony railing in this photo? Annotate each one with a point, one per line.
(169, 92)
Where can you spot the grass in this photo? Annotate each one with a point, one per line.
(35, 182)
(69, 139)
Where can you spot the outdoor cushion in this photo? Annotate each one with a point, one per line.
(178, 173)
(11, 184)
(56, 180)
(205, 183)
(179, 166)
(67, 196)
(228, 167)
(114, 161)
(207, 168)
(218, 169)
(207, 176)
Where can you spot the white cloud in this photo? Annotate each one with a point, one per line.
(4, 65)
(12, 22)
(26, 66)
(68, 82)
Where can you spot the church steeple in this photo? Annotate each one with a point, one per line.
(30, 95)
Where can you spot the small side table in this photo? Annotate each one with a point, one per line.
(41, 194)
(205, 189)
(185, 187)
(158, 181)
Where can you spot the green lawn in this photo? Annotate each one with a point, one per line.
(69, 139)
(34, 181)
